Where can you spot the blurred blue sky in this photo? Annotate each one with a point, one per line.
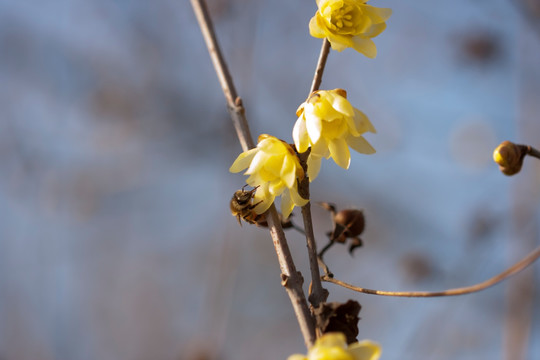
(115, 236)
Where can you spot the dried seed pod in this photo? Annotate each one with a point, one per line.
(339, 317)
(509, 157)
(352, 220)
(348, 224)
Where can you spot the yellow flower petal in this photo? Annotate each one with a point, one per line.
(287, 204)
(375, 30)
(257, 163)
(377, 15)
(340, 152)
(271, 145)
(296, 198)
(288, 171)
(365, 350)
(313, 167)
(332, 339)
(276, 187)
(320, 148)
(352, 123)
(272, 167)
(300, 135)
(297, 357)
(314, 29)
(364, 23)
(242, 161)
(333, 353)
(313, 125)
(339, 43)
(362, 122)
(364, 46)
(262, 196)
(359, 144)
(342, 105)
(333, 346)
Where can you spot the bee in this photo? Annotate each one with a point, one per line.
(242, 207)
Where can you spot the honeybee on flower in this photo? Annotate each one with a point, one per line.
(349, 23)
(274, 170)
(329, 124)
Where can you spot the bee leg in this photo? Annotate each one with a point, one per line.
(255, 205)
(239, 220)
(250, 191)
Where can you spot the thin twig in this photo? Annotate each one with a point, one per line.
(291, 279)
(325, 267)
(317, 78)
(326, 247)
(318, 294)
(234, 103)
(532, 152)
(514, 269)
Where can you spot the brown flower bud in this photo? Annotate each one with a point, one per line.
(509, 156)
(352, 220)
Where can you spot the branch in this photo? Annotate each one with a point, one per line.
(317, 78)
(514, 269)
(532, 151)
(234, 103)
(291, 279)
(317, 294)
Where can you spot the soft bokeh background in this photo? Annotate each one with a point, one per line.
(115, 237)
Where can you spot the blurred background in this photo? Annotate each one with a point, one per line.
(116, 241)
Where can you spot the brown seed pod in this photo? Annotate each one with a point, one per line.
(352, 220)
(348, 224)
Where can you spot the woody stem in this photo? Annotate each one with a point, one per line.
(318, 294)
(291, 278)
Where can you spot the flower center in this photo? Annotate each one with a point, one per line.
(341, 19)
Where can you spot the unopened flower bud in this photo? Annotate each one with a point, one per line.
(352, 220)
(509, 156)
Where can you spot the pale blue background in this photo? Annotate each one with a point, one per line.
(115, 236)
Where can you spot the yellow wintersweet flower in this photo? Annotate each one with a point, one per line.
(332, 346)
(329, 124)
(349, 23)
(273, 167)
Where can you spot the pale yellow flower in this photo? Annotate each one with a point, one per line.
(349, 23)
(329, 124)
(273, 167)
(332, 346)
